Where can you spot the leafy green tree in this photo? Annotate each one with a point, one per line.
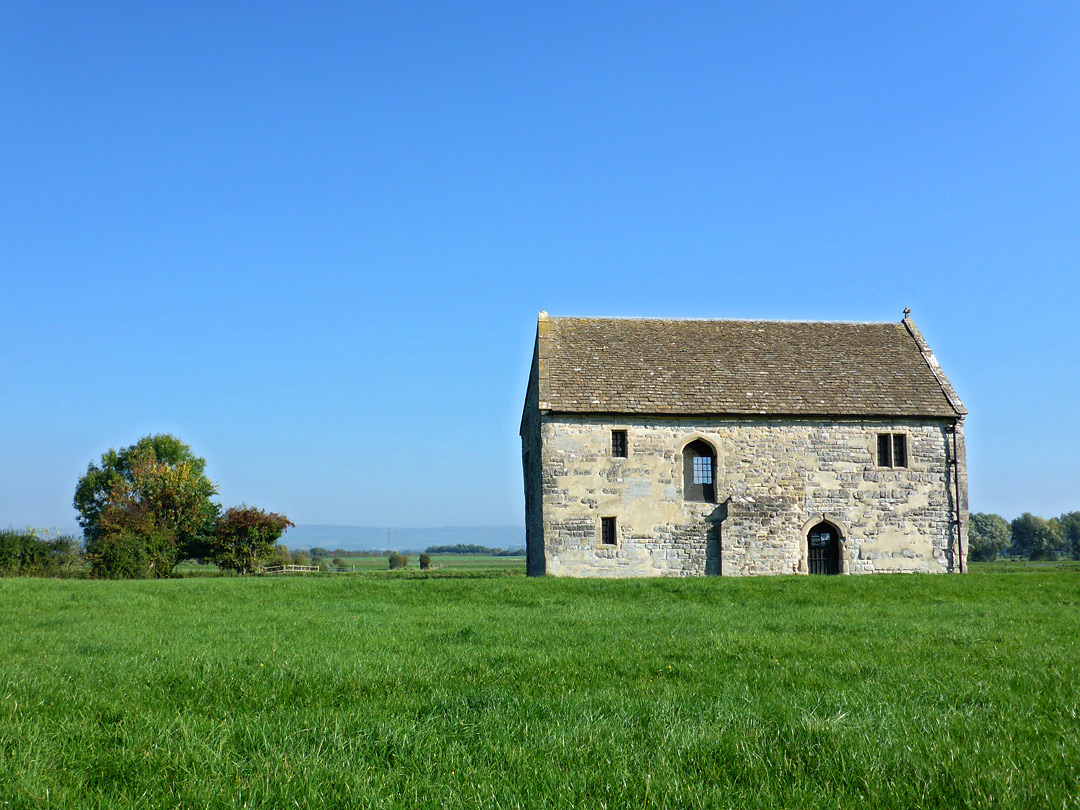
(397, 561)
(988, 535)
(1070, 530)
(245, 538)
(1036, 538)
(425, 561)
(281, 555)
(300, 558)
(155, 490)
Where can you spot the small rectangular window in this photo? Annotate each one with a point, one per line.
(618, 443)
(607, 531)
(892, 450)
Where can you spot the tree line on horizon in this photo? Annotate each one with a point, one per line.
(472, 548)
(1028, 536)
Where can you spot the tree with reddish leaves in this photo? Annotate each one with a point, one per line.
(245, 536)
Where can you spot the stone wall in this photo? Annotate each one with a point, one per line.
(775, 479)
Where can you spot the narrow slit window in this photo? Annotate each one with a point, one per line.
(607, 531)
(618, 443)
(899, 454)
(884, 450)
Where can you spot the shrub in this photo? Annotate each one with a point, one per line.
(338, 562)
(34, 553)
(425, 562)
(121, 555)
(397, 561)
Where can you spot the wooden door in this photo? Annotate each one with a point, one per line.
(823, 550)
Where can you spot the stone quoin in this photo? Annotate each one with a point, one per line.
(664, 447)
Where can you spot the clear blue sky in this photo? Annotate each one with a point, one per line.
(311, 239)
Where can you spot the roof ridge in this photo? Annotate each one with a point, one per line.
(717, 320)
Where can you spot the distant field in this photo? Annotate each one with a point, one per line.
(364, 565)
(494, 690)
(1025, 566)
(443, 562)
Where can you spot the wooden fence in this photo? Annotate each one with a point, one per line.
(290, 569)
(309, 569)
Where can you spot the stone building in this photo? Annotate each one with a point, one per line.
(690, 447)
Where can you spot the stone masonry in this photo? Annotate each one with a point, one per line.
(775, 479)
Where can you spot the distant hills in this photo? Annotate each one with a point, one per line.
(370, 538)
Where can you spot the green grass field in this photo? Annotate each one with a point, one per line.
(464, 690)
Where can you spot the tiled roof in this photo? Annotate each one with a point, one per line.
(652, 366)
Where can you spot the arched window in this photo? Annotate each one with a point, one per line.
(699, 472)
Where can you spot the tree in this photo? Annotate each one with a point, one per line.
(245, 538)
(281, 555)
(425, 561)
(988, 535)
(397, 561)
(1070, 530)
(154, 493)
(1036, 538)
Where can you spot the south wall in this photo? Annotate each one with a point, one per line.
(776, 478)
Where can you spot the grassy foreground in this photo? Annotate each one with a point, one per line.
(458, 691)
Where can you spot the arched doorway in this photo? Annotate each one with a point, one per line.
(823, 549)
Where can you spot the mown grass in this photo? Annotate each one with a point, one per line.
(459, 691)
